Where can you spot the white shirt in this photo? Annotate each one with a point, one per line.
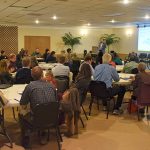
(60, 70)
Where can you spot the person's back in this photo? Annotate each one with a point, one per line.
(51, 58)
(23, 76)
(38, 91)
(106, 73)
(60, 69)
(130, 66)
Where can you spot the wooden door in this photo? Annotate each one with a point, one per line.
(33, 42)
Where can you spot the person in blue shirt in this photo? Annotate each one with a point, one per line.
(106, 73)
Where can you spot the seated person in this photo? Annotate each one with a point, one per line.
(133, 54)
(36, 92)
(12, 63)
(74, 67)
(106, 73)
(142, 75)
(23, 53)
(116, 59)
(23, 75)
(82, 81)
(2, 55)
(5, 76)
(51, 58)
(50, 78)
(37, 53)
(47, 51)
(88, 60)
(60, 69)
(34, 62)
(128, 67)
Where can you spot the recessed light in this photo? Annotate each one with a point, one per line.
(54, 17)
(147, 16)
(88, 24)
(112, 21)
(37, 21)
(125, 1)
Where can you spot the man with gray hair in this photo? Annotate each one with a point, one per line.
(36, 92)
(106, 73)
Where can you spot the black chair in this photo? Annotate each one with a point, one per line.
(98, 90)
(62, 83)
(143, 57)
(46, 117)
(3, 131)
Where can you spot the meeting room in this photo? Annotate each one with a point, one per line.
(74, 75)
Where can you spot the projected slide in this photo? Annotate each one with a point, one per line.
(144, 39)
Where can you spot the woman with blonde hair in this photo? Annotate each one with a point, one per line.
(5, 76)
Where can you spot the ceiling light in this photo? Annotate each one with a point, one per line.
(125, 1)
(37, 21)
(147, 17)
(54, 17)
(88, 24)
(112, 21)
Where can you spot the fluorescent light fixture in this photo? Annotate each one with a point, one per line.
(37, 21)
(54, 17)
(125, 2)
(147, 16)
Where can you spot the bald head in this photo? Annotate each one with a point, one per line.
(37, 73)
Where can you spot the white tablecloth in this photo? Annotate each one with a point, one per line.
(13, 94)
(119, 67)
(124, 79)
(47, 66)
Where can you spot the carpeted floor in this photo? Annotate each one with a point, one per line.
(122, 132)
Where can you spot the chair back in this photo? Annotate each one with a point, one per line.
(143, 97)
(98, 89)
(134, 71)
(46, 115)
(148, 56)
(62, 83)
(143, 55)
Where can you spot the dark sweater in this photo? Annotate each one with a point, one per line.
(51, 59)
(6, 78)
(23, 76)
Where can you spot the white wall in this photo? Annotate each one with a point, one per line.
(128, 42)
(91, 39)
(126, 45)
